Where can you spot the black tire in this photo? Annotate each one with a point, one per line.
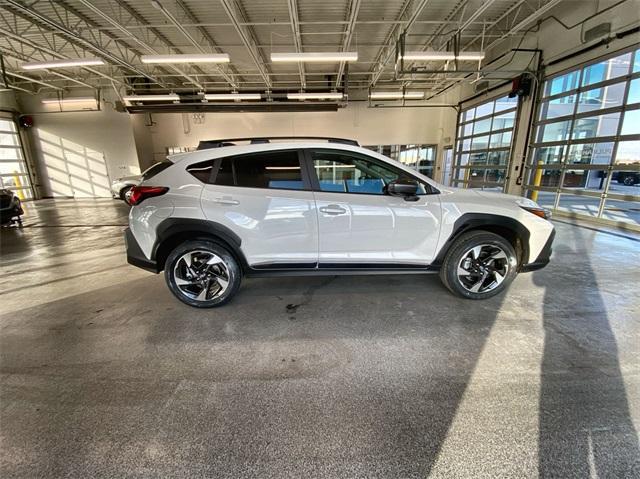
(629, 181)
(230, 267)
(124, 191)
(458, 252)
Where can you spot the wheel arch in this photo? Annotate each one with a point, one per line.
(172, 232)
(508, 228)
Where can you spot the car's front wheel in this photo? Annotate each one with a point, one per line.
(479, 265)
(203, 274)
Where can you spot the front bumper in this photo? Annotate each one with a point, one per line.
(135, 256)
(13, 211)
(543, 258)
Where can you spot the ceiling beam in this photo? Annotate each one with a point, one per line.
(297, 38)
(526, 21)
(390, 43)
(22, 58)
(74, 37)
(53, 53)
(354, 9)
(247, 39)
(33, 80)
(135, 39)
(169, 16)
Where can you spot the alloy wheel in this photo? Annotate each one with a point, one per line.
(483, 268)
(201, 275)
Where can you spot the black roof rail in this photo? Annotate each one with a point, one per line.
(207, 144)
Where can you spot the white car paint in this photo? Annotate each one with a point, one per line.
(293, 226)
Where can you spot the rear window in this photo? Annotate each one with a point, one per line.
(153, 170)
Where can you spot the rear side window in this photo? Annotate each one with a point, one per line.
(153, 170)
(276, 169)
(202, 170)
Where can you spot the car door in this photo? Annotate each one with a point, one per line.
(266, 199)
(359, 224)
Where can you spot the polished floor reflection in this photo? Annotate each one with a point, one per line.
(103, 373)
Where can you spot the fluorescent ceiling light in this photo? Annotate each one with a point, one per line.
(315, 96)
(171, 97)
(315, 57)
(396, 95)
(443, 56)
(232, 96)
(428, 56)
(78, 99)
(187, 58)
(470, 56)
(80, 62)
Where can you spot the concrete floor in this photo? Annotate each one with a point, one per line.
(104, 373)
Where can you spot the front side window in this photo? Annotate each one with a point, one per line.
(345, 173)
(273, 169)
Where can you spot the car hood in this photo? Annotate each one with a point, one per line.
(481, 197)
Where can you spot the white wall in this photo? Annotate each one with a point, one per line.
(78, 153)
(8, 100)
(370, 126)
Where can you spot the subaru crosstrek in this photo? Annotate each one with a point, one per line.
(322, 207)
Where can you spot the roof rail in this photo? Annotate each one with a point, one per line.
(207, 144)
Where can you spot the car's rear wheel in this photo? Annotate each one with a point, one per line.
(203, 274)
(479, 265)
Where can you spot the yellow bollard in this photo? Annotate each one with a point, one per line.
(537, 179)
(16, 180)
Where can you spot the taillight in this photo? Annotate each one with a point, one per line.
(140, 193)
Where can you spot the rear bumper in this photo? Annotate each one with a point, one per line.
(543, 258)
(135, 256)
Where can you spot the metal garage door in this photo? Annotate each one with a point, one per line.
(13, 167)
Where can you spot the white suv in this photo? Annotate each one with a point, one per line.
(322, 207)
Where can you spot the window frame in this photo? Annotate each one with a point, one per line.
(315, 182)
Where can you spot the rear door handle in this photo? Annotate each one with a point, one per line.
(226, 201)
(333, 210)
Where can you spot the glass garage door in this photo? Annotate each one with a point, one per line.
(418, 157)
(13, 167)
(483, 149)
(585, 157)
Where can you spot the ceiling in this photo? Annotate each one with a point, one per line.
(120, 31)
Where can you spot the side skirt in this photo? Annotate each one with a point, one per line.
(339, 270)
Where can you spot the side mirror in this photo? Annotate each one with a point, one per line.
(403, 187)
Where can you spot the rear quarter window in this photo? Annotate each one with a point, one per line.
(153, 170)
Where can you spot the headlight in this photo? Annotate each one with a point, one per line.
(533, 208)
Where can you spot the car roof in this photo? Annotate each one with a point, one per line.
(210, 153)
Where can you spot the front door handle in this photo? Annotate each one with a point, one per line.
(226, 201)
(333, 210)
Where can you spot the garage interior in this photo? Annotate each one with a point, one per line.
(104, 374)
